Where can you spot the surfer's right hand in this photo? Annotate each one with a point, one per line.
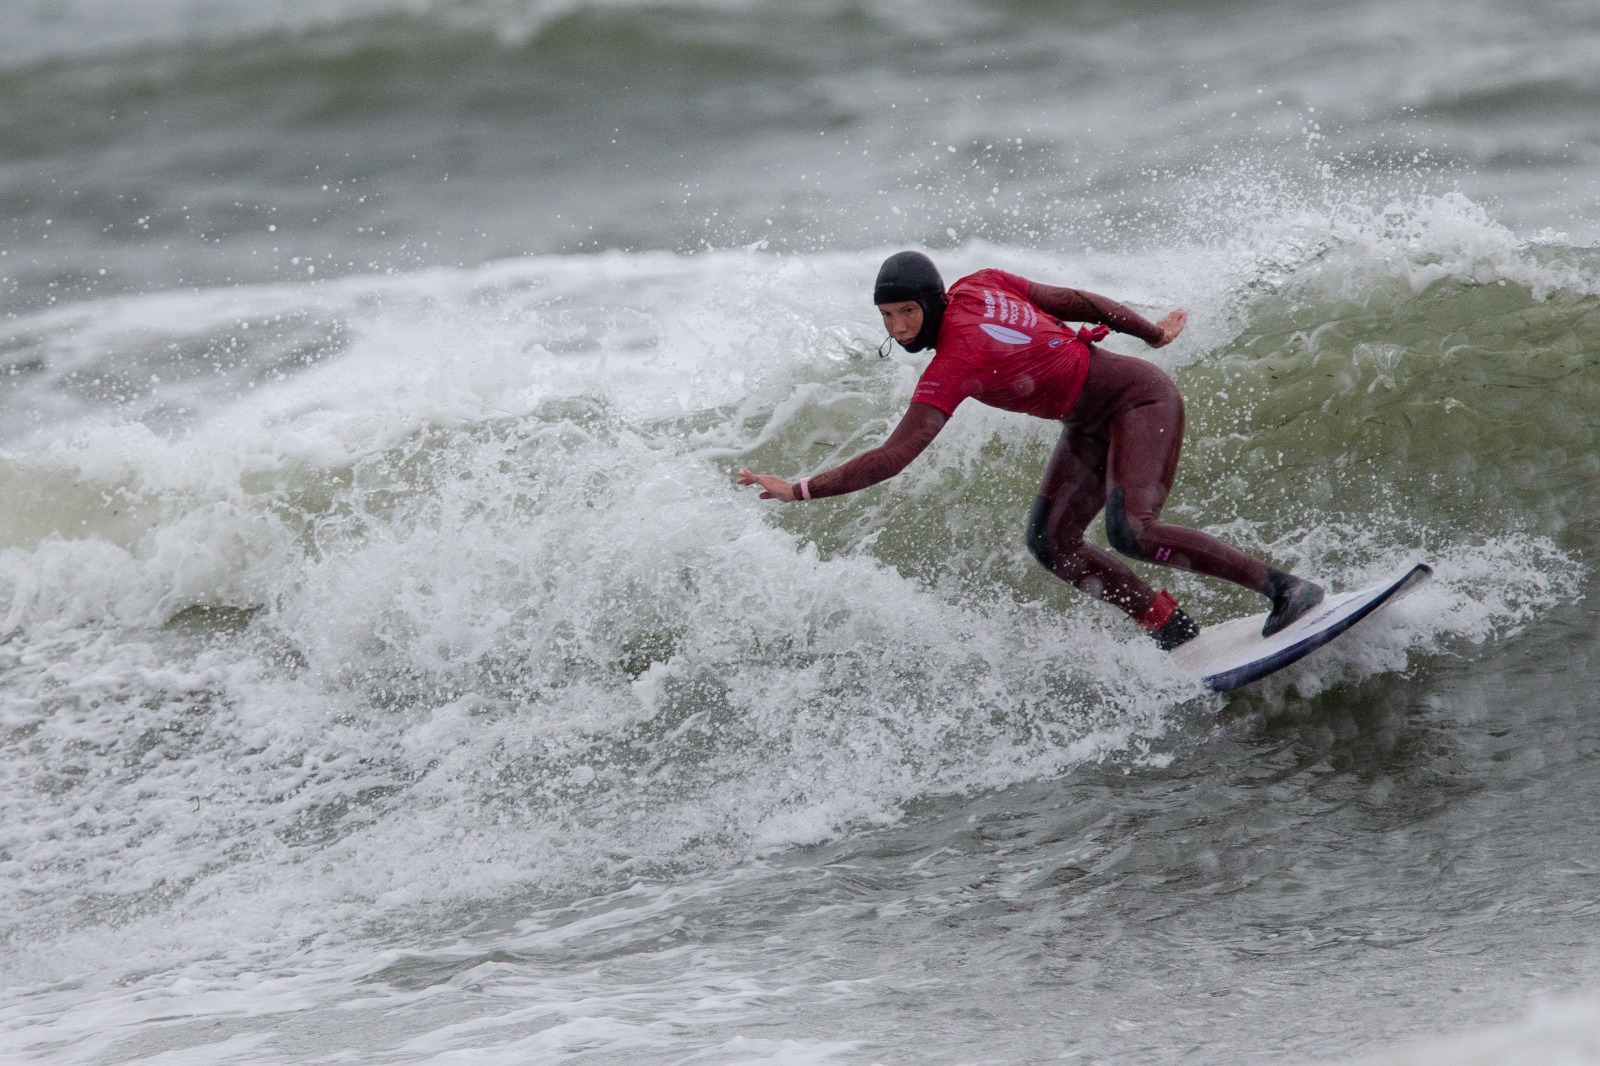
(774, 488)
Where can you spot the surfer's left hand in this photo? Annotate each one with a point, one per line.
(1170, 327)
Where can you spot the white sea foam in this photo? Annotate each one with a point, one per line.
(500, 581)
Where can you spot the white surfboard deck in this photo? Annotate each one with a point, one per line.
(1231, 654)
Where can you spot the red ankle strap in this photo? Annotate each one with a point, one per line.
(1159, 612)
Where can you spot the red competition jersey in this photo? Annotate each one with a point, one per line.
(997, 347)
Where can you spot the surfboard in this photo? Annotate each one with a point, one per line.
(1234, 653)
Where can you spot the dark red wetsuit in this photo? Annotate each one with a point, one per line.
(1002, 343)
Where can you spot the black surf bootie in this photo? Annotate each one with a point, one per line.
(1292, 597)
(1179, 629)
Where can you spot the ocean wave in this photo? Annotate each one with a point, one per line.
(390, 668)
(61, 32)
(489, 538)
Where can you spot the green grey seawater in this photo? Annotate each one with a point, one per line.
(389, 671)
(224, 143)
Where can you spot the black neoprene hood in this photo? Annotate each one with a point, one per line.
(912, 276)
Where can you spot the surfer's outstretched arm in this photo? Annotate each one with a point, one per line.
(918, 426)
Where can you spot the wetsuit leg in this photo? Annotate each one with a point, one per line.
(1146, 435)
(1072, 493)
(1119, 451)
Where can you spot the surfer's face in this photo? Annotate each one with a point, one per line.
(903, 320)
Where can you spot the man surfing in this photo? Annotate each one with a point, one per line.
(1002, 340)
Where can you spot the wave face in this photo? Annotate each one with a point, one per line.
(390, 670)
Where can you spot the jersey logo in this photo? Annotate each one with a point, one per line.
(1005, 334)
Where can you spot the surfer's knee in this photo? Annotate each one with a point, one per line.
(1121, 532)
(1039, 533)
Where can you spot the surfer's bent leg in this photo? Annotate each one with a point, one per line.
(1146, 436)
(1071, 494)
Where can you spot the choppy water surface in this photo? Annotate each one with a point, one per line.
(390, 672)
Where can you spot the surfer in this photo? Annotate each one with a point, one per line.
(1002, 340)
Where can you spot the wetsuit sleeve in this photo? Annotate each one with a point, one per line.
(1076, 305)
(920, 424)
